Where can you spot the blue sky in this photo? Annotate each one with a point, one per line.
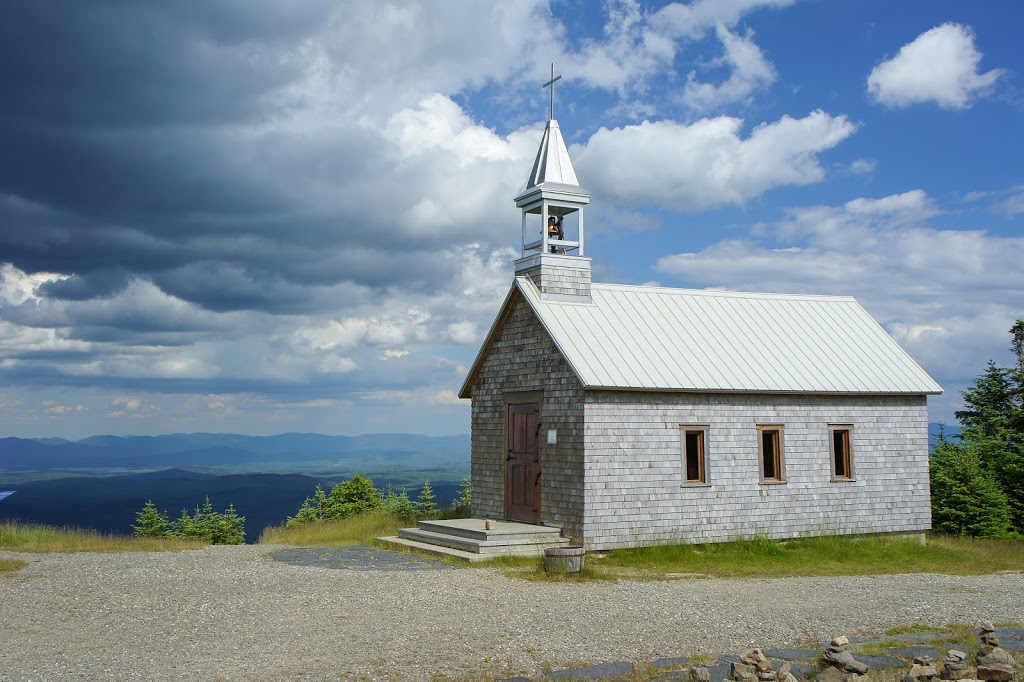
(263, 217)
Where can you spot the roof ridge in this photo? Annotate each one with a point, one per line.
(727, 293)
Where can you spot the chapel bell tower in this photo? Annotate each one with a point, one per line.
(552, 220)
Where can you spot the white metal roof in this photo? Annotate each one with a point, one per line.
(553, 164)
(661, 339)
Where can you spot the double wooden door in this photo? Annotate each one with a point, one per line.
(522, 466)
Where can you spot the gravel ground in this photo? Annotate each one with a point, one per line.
(233, 613)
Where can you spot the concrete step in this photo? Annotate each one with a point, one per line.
(502, 530)
(495, 546)
(438, 550)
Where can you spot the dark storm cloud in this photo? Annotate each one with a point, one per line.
(101, 283)
(123, 63)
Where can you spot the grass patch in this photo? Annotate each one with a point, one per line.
(11, 565)
(361, 529)
(910, 629)
(823, 556)
(31, 537)
(881, 648)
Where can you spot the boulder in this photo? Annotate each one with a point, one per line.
(995, 672)
(996, 655)
(700, 674)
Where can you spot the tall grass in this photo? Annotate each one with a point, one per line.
(31, 537)
(11, 565)
(360, 529)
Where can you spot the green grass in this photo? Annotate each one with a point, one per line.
(31, 537)
(11, 565)
(760, 557)
(823, 556)
(355, 530)
(910, 629)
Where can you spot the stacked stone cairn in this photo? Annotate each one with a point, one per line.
(923, 670)
(754, 666)
(839, 665)
(955, 667)
(995, 664)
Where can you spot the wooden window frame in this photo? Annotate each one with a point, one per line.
(833, 430)
(779, 458)
(684, 431)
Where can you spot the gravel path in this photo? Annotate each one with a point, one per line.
(233, 613)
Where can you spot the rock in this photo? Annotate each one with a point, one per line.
(700, 674)
(856, 677)
(829, 674)
(923, 660)
(955, 656)
(987, 626)
(841, 641)
(752, 656)
(785, 669)
(742, 672)
(964, 673)
(995, 672)
(922, 673)
(844, 660)
(996, 655)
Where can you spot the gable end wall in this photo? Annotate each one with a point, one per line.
(522, 357)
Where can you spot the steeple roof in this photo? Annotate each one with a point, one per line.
(553, 164)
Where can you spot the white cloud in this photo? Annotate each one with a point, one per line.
(707, 164)
(694, 19)
(948, 296)
(863, 166)
(750, 72)
(940, 65)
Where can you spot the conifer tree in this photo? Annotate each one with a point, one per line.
(989, 453)
(426, 504)
(151, 523)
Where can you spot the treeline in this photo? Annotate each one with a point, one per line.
(359, 494)
(977, 478)
(217, 528)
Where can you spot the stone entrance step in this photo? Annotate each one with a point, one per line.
(471, 540)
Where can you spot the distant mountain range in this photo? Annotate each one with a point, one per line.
(230, 450)
(102, 481)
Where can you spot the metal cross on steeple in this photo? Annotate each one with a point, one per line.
(552, 84)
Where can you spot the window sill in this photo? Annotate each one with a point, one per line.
(773, 482)
(695, 484)
(843, 480)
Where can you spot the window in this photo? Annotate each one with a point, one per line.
(773, 466)
(842, 452)
(694, 439)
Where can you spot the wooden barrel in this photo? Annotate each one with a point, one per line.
(563, 559)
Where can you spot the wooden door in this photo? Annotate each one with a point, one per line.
(522, 470)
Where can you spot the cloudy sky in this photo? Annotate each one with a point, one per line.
(260, 216)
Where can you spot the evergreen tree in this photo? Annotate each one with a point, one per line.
(463, 504)
(151, 522)
(313, 510)
(399, 504)
(966, 498)
(230, 528)
(993, 440)
(426, 504)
